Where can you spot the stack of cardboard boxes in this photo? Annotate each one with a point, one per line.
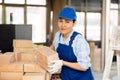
(23, 46)
(27, 62)
(9, 69)
(95, 54)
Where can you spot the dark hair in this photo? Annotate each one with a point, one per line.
(74, 21)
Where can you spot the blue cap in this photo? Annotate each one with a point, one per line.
(68, 13)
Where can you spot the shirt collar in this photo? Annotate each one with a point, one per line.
(67, 40)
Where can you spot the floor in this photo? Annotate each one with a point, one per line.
(113, 73)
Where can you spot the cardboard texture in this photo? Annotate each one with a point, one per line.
(11, 76)
(23, 43)
(45, 55)
(26, 57)
(48, 76)
(97, 60)
(7, 58)
(13, 67)
(33, 67)
(21, 49)
(95, 55)
(34, 64)
(34, 76)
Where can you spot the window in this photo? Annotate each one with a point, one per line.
(36, 2)
(17, 15)
(80, 23)
(114, 17)
(113, 14)
(26, 12)
(37, 17)
(89, 18)
(0, 1)
(15, 1)
(93, 26)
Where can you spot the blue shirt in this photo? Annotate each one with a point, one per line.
(80, 47)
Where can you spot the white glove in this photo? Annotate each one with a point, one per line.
(55, 66)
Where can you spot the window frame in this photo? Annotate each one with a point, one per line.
(4, 5)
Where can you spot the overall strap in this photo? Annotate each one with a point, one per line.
(73, 37)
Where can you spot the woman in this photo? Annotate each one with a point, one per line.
(72, 48)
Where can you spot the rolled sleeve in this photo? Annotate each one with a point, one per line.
(82, 52)
(56, 40)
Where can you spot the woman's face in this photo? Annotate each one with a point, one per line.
(65, 26)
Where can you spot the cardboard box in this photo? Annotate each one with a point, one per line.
(23, 43)
(48, 76)
(34, 76)
(7, 58)
(23, 49)
(11, 76)
(26, 57)
(95, 55)
(45, 55)
(13, 67)
(33, 67)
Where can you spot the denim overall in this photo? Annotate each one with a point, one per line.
(66, 53)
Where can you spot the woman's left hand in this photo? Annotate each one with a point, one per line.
(55, 66)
